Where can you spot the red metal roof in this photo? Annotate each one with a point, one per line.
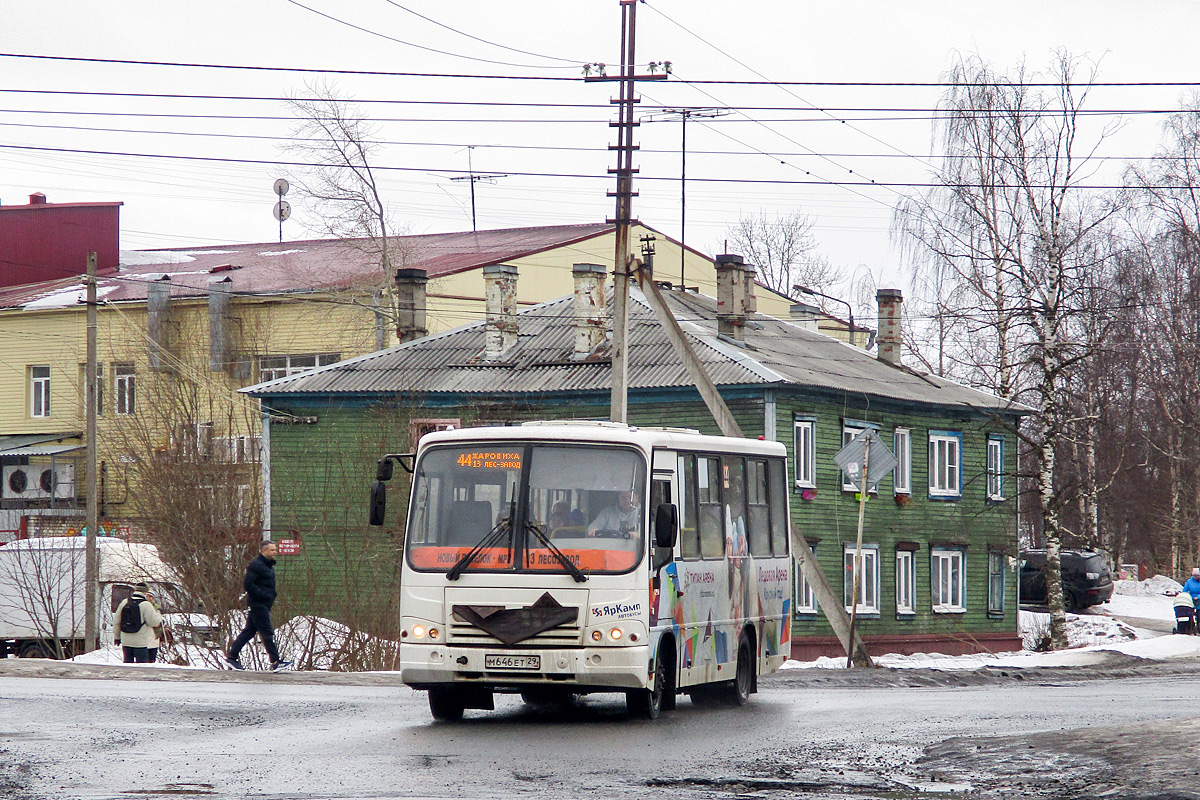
(305, 266)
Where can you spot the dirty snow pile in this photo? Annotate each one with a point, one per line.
(1110, 627)
(309, 642)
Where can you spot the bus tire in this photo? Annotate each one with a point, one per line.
(446, 704)
(738, 692)
(648, 703)
(671, 675)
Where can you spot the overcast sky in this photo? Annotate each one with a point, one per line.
(775, 155)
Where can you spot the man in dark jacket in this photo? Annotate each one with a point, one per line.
(260, 596)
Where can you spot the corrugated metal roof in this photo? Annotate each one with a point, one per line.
(775, 352)
(306, 266)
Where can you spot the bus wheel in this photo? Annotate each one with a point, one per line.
(647, 703)
(738, 693)
(446, 704)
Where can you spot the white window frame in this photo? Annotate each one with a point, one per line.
(947, 580)
(805, 446)
(284, 366)
(905, 574)
(995, 468)
(868, 587)
(124, 388)
(39, 391)
(806, 598)
(945, 464)
(997, 563)
(902, 474)
(851, 430)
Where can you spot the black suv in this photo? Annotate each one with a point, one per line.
(1086, 578)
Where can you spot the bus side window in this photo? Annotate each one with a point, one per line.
(712, 521)
(735, 500)
(689, 534)
(777, 482)
(758, 521)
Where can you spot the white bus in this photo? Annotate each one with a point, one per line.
(560, 559)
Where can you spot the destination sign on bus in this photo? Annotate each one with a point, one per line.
(490, 460)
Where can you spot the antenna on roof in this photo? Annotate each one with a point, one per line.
(283, 209)
(473, 178)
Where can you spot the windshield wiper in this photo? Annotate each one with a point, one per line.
(576, 573)
(502, 527)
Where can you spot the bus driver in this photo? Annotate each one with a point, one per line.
(624, 517)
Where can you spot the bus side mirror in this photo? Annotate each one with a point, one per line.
(378, 501)
(666, 526)
(383, 470)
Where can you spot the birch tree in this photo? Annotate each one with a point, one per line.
(1012, 225)
(343, 191)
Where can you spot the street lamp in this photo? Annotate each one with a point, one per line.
(849, 310)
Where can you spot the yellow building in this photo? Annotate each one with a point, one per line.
(181, 330)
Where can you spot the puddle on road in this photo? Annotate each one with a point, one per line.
(176, 789)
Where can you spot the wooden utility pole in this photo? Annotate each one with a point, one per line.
(624, 194)
(830, 604)
(862, 510)
(91, 627)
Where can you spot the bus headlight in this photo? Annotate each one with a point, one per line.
(419, 631)
(597, 636)
(615, 634)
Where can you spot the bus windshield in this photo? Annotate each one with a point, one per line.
(530, 506)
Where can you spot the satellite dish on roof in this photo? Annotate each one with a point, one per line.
(281, 187)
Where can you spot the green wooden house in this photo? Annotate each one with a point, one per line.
(940, 541)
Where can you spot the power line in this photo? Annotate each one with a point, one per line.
(430, 170)
(340, 21)
(573, 62)
(554, 148)
(399, 74)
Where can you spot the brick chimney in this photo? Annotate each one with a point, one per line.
(37, 199)
(731, 297)
(410, 304)
(750, 274)
(889, 301)
(500, 296)
(590, 317)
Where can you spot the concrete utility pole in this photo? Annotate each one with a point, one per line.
(622, 260)
(91, 627)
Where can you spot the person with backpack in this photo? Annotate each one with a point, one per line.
(137, 625)
(259, 584)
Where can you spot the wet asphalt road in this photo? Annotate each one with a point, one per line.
(115, 732)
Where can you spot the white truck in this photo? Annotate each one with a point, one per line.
(43, 595)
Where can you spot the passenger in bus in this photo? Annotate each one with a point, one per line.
(560, 517)
(624, 516)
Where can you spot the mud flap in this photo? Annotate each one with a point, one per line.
(477, 697)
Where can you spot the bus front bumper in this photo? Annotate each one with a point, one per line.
(584, 668)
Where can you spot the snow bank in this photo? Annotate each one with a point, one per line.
(308, 642)
(1090, 636)
(1157, 586)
